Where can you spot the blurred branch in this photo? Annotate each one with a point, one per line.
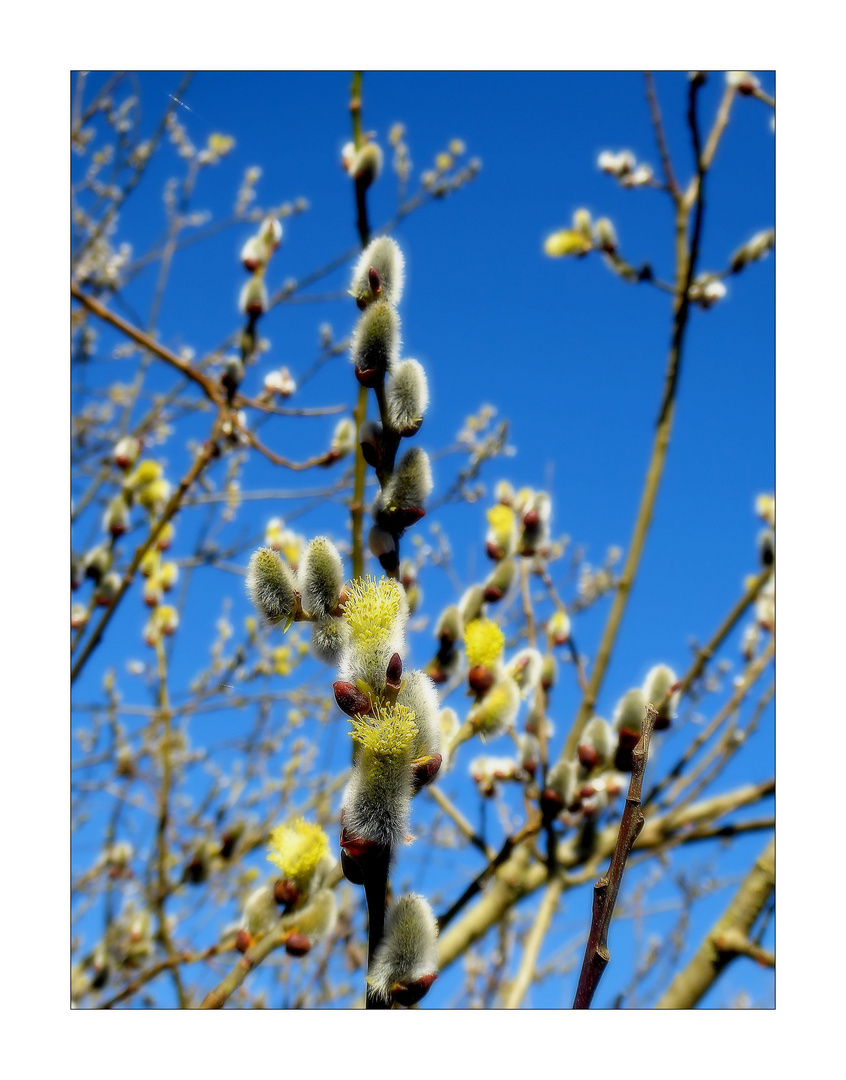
(727, 939)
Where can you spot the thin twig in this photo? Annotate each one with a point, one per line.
(606, 889)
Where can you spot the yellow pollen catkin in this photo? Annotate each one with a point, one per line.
(297, 849)
(388, 733)
(371, 610)
(501, 519)
(483, 643)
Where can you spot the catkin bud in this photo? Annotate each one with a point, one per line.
(558, 628)
(525, 668)
(370, 440)
(383, 545)
(375, 343)
(313, 922)
(529, 748)
(497, 710)
(449, 625)
(407, 395)
(658, 689)
(597, 744)
(116, 518)
(405, 964)
(405, 494)
(470, 604)
(562, 788)
(383, 258)
(126, 452)
(549, 672)
(606, 237)
(260, 911)
(500, 581)
(271, 586)
(766, 547)
(366, 164)
(320, 577)
(253, 298)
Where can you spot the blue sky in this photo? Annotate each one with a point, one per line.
(569, 354)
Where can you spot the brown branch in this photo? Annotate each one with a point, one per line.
(202, 459)
(140, 338)
(720, 946)
(660, 136)
(687, 252)
(606, 889)
(519, 877)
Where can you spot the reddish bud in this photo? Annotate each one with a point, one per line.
(493, 594)
(494, 552)
(369, 377)
(352, 871)
(551, 804)
(363, 854)
(243, 941)
(374, 281)
(297, 945)
(588, 756)
(350, 699)
(628, 739)
(424, 772)
(393, 676)
(481, 679)
(661, 723)
(413, 992)
(286, 893)
(531, 519)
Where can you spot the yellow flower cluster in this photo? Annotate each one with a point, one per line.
(483, 642)
(371, 610)
(501, 520)
(297, 849)
(388, 733)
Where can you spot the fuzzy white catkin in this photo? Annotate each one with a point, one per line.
(261, 911)
(329, 638)
(376, 338)
(270, 584)
(407, 395)
(419, 695)
(377, 799)
(386, 258)
(601, 737)
(317, 919)
(497, 710)
(411, 483)
(409, 949)
(525, 668)
(320, 577)
(657, 685)
(630, 711)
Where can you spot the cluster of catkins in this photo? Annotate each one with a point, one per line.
(396, 725)
(298, 903)
(579, 789)
(144, 485)
(402, 395)
(360, 628)
(518, 527)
